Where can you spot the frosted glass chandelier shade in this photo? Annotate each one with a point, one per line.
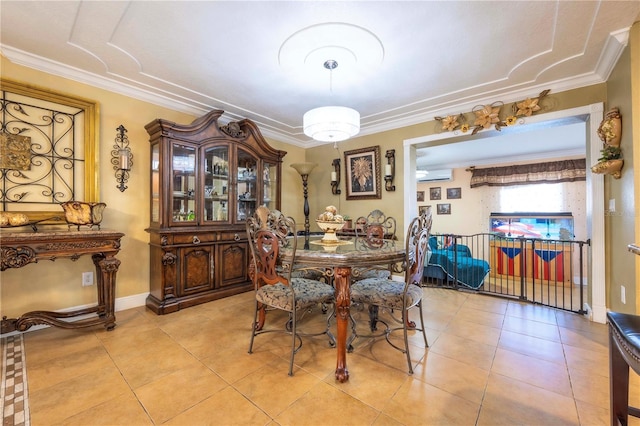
(331, 123)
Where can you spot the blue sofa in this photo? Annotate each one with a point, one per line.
(454, 263)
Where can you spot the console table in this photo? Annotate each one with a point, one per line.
(18, 249)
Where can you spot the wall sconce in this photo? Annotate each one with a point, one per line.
(390, 170)
(335, 177)
(121, 158)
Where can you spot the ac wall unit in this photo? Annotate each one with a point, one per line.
(437, 176)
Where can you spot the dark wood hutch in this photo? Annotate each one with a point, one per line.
(206, 179)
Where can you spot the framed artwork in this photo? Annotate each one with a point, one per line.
(420, 196)
(362, 170)
(454, 193)
(435, 193)
(444, 208)
(423, 209)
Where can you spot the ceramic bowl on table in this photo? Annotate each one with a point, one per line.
(330, 228)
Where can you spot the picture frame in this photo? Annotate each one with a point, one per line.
(435, 193)
(420, 196)
(362, 173)
(423, 209)
(444, 208)
(454, 193)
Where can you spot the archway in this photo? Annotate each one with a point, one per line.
(591, 115)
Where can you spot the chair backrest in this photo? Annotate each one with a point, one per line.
(417, 244)
(268, 232)
(376, 226)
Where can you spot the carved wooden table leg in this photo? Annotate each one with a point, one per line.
(106, 269)
(342, 281)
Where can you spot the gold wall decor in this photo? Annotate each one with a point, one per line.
(15, 152)
(610, 132)
(486, 116)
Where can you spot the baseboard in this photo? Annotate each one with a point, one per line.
(122, 303)
(589, 311)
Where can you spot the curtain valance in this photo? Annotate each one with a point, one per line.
(524, 174)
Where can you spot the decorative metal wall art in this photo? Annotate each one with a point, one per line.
(335, 177)
(121, 158)
(48, 150)
(390, 170)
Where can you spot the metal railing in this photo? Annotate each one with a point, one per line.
(542, 271)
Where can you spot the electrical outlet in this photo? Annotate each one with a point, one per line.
(623, 294)
(87, 279)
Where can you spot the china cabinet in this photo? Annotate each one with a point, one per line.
(206, 179)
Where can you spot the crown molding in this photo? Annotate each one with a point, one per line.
(612, 50)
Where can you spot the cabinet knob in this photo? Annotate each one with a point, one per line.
(236, 237)
(196, 240)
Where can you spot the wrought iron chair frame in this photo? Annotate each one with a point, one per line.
(269, 232)
(416, 244)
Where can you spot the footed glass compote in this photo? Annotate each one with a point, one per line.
(330, 228)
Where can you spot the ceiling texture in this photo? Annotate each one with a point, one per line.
(399, 63)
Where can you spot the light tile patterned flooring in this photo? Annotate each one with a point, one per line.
(490, 362)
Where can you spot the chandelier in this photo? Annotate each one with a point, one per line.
(331, 123)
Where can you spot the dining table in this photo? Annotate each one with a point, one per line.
(343, 259)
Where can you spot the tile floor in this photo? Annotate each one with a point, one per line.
(490, 362)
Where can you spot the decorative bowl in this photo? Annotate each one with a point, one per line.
(81, 213)
(330, 228)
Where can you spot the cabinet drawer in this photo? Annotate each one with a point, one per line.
(207, 237)
(233, 235)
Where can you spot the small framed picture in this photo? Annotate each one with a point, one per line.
(444, 208)
(420, 196)
(435, 193)
(453, 193)
(423, 209)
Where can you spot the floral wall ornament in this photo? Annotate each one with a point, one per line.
(486, 115)
(610, 132)
(489, 115)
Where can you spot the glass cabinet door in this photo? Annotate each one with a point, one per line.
(247, 190)
(155, 183)
(216, 184)
(183, 183)
(270, 185)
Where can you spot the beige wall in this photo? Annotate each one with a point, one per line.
(620, 226)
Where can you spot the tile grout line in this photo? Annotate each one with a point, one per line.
(13, 388)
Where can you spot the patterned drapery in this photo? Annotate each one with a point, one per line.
(524, 174)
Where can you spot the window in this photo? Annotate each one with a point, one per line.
(544, 197)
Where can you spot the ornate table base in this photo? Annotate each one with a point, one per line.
(19, 249)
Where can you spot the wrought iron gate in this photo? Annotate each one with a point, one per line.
(541, 271)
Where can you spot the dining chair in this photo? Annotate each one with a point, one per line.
(376, 225)
(374, 229)
(396, 297)
(271, 235)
